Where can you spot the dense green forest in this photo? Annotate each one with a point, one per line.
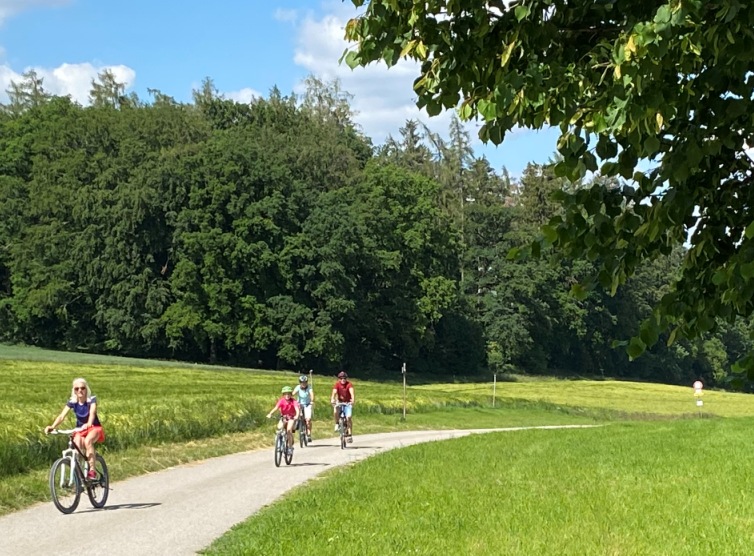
(275, 234)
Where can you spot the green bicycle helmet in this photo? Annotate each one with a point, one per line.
(286, 390)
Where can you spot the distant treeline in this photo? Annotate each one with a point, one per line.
(275, 234)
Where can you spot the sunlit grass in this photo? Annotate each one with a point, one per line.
(619, 396)
(146, 405)
(675, 487)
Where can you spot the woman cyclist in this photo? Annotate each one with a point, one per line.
(288, 415)
(84, 406)
(305, 396)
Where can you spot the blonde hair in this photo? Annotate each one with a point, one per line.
(89, 394)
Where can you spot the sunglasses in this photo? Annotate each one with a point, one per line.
(80, 388)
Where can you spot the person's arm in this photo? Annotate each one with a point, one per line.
(353, 399)
(58, 420)
(92, 414)
(333, 395)
(311, 396)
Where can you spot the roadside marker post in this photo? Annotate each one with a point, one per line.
(698, 387)
(494, 387)
(403, 372)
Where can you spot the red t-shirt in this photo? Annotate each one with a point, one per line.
(343, 390)
(287, 407)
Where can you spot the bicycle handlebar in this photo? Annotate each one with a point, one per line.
(65, 431)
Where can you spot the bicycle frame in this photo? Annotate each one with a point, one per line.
(74, 454)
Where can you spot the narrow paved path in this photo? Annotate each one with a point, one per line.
(183, 509)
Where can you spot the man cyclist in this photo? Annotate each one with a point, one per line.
(342, 392)
(305, 396)
(288, 408)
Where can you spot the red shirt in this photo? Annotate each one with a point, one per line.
(287, 407)
(343, 390)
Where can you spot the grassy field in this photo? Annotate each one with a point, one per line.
(639, 488)
(159, 414)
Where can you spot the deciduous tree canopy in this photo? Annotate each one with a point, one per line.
(657, 92)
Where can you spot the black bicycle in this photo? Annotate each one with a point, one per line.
(342, 423)
(281, 450)
(68, 477)
(303, 440)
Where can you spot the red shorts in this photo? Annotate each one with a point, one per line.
(100, 438)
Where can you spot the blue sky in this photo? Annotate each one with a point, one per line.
(245, 47)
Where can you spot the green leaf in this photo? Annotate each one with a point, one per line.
(352, 59)
(747, 270)
(434, 107)
(651, 145)
(579, 291)
(635, 348)
(550, 233)
(487, 109)
(522, 12)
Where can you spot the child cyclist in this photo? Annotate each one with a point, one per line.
(305, 396)
(289, 411)
(84, 406)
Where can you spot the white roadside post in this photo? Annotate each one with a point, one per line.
(494, 387)
(698, 387)
(403, 372)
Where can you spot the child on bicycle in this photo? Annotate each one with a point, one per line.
(342, 392)
(289, 411)
(305, 396)
(84, 405)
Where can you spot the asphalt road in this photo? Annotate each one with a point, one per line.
(183, 509)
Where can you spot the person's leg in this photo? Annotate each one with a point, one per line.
(89, 441)
(336, 414)
(349, 413)
(308, 418)
(289, 426)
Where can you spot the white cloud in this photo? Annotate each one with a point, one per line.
(67, 79)
(383, 98)
(245, 95)
(9, 8)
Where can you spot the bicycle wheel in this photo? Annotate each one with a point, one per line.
(302, 433)
(279, 447)
(288, 456)
(342, 427)
(98, 489)
(65, 488)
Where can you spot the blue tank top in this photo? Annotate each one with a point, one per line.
(82, 411)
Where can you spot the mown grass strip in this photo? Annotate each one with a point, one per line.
(626, 489)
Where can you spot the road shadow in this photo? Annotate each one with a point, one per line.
(352, 447)
(308, 464)
(134, 506)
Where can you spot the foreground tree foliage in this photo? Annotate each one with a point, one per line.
(659, 93)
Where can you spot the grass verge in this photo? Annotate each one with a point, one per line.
(673, 487)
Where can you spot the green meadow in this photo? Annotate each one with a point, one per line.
(639, 488)
(661, 477)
